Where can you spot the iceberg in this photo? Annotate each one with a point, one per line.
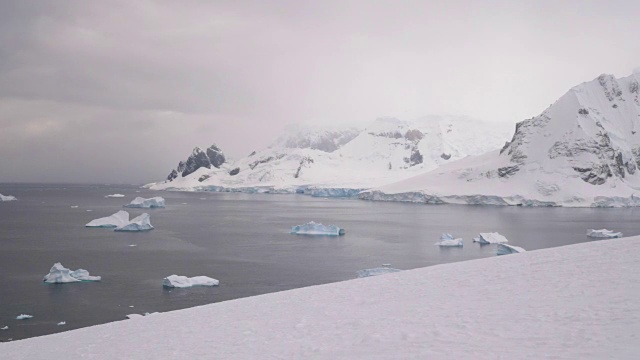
(313, 228)
(448, 240)
(62, 323)
(151, 203)
(176, 281)
(376, 271)
(23, 317)
(60, 275)
(490, 238)
(603, 234)
(118, 219)
(504, 249)
(7, 198)
(141, 223)
(115, 196)
(6, 327)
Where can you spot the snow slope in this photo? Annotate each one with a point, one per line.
(584, 150)
(340, 162)
(572, 302)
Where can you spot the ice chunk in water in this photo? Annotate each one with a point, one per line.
(141, 223)
(60, 275)
(23, 317)
(118, 219)
(184, 282)
(490, 238)
(448, 240)
(313, 228)
(603, 234)
(155, 202)
(115, 196)
(7, 198)
(62, 323)
(504, 249)
(376, 271)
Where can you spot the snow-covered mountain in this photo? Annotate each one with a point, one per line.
(339, 162)
(584, 150)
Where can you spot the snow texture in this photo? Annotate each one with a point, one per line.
(603, 233)
(177, 281)
(505, 249)
(490, 238)
(376, 271)
(24, 317)
(59, 274)
(449, 240)
(313, 228)
(140, 223)
(151, 203)
(118, 219)
(571, 302)
(7, 198)
(115, 196)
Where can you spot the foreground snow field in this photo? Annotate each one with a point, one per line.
(572, 302)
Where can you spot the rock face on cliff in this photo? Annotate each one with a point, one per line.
(584, 150)
(211, 157)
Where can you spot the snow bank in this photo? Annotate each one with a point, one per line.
(603, 234)
(115, 196)
(449, 240)
(504, 249)
(140, 223)
(118, 219)
(60, 274)
(376, 271)
(151, 203)
(185, 282)
(7, 198)
(490, 238)
(313, 228)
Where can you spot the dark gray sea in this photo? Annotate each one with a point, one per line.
(241, 240)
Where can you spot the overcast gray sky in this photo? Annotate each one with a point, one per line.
(119, 91)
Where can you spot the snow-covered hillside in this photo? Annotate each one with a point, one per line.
(339, 162)
(584, 150)
(571, 302)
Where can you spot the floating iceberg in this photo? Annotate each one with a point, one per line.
(4, 327)
(141, 223)
(603, 234)
(121, 218)
(62, 323)
(155, 202)
(7, 198)
(176, 281)
(60, 275)
(376, 271)
(115, 196)
(313, 228)
(449, 240)
(490, 238)
(138, 316)
(504, 249)
(23, 317)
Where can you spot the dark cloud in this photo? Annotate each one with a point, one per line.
(148, 80)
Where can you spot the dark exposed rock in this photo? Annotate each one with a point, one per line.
(234, 172)
(388, 134)
(416, 158)
(414, 135)
(507, 171)
(597, 175)
(213, 156)
(445, 156)
(252, 153)
(583, 111)
(327, 141)
(203, 177)
(172, 175)
(216, 157)
(505, 147)
(303, 163)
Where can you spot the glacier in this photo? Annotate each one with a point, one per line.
(151, 203)
(118, 219)
(490, 238)
(7, 198)
(505, 249)
(177, 281)
(603, 234)
(313, 228)
(140, 223)
(376, 271)
(449, 240)
(59, 274)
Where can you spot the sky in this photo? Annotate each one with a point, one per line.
(120, 91)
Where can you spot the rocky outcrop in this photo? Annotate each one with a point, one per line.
(211, 157)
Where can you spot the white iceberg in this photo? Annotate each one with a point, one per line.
(62, 323)
(176, 281)
(313, 228)
(139, 202)
(7, 198)
(490, 238)
(60, 275)
(603, 234)
(115, 196)
(141, 223)
(448, 240)
(121, 218)
(505, 249)
(4, 327)
(376, 271)
(138, 316)
(23, 317)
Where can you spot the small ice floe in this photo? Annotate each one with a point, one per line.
(4, 328)
(176, 281)
(74, 206)
(313, 228)
(115, 196)
(24, 317)
(151, 203)
(385, 269)
(7, 198)
(138, 316)
(603, 234)
(141, 223)
(504, 249)
(133, 245)
(61, 275)
(448, 240)
(89, 210)
(62, 323)
(121, 218)
(490, 238)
